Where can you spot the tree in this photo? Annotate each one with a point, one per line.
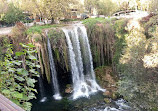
(13, 15)
(89, 5)
(106, 7)
(50, 9)
(3, 8)
(153, 6)
(57, 8)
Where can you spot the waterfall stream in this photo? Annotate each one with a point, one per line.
(81, 62)
(55, 85)
(41, 87)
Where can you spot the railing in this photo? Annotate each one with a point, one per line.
(7, 105)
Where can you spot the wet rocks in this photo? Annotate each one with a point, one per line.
(68, 89)
(107, 100)
(107, 81)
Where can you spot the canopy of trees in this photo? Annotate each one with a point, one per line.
(107, 7)
(43, 8)
(54, 9)
(13, 14)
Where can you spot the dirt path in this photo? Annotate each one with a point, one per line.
(5, 31)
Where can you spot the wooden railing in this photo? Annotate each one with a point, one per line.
(7, 105)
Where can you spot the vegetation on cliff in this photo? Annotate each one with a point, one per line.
(134, 58)
(17, 73)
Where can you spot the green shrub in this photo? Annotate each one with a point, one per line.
(17, 76)
(13, 15)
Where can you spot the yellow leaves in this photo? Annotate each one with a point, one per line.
(133, 24)
(126, 57)
(44, 8)
(151, 58)
(139, 48)
(136, 42)
(3, 6)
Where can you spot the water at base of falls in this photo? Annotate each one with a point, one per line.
(83, 77)
(55, 84)
(95, 103)
(85, 90)
(57, 97)
(120, 105)
(43, 99)
(42, 91)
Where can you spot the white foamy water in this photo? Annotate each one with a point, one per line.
(41, 87)
(80, 58)
(55, 85)
(122, 106)
(43, 99)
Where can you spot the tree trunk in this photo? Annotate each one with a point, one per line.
(52, 20)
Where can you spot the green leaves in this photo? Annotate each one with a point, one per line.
(22, 71)
(6, 91)
(19, 53)
(16, 101)
(30, 82)
(32, 57)
(38, 66)
(31, 95)
(30, 45)
(13, 14)
(17, 62)
(21, 79)
(12, 70)
(27, 46)
(17, 95)
(27, 106)
(17, 82)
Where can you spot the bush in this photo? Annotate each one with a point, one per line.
(13, 15)
(16, 76)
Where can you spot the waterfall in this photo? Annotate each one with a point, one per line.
(43, 97)
(81, 62)
(88, 60)
(41, 87)
(55, 86)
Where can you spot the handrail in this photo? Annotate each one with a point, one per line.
(7, 105)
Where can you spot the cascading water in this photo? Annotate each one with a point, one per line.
(41, 87)
(43, 97)
(88, 61)
(55, 86)
(83, 79)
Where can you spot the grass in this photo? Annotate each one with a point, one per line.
(92, 20)
(97, 20)
(38, 28)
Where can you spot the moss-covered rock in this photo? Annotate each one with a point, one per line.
(69, 88)
(107, 100)
(107, 81)
(59, 47)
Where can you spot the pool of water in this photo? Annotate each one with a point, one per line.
(94, 103)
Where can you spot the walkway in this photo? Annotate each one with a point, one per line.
(5, 31)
